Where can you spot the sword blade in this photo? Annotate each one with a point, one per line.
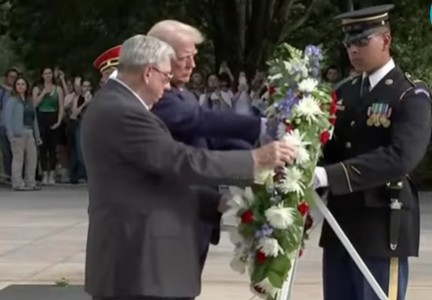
(349, 247)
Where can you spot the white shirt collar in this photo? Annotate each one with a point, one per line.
(132, 91)
(379, 74)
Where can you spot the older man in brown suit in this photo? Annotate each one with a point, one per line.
(143, 214)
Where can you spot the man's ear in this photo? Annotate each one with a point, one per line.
(387, 38)
(146, 73)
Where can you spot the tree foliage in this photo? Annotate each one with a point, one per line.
(242, 32)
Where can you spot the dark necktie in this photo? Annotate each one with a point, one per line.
(365, 86)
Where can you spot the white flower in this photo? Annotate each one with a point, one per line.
(296, 138)
(264, 176)
(235, 237)
(280, 217)
(275, 77)
(281, 130)
(270, 247)
(291, 181)
(268, 287)
(308, 108)
(240, 198)
(239, 262)
(307, 85)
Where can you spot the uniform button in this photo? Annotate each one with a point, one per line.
(348, 145)
(352, 123)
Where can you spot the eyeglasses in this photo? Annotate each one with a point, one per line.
(362, 42)
(167, 76)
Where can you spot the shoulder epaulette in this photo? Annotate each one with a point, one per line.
(419, 86)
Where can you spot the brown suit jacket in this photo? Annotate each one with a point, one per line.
(143, 214)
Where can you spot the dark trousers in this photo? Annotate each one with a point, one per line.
(48, 149)
(76, 164)
(136, 298)
(6, 152)
(343, 280)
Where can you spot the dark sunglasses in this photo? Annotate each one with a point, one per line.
(360, 42)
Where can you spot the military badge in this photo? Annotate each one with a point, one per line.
(379, 115)
(389, 82)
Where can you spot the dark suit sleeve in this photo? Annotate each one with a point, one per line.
(147, 145)
(189, 118)
(208, 199)
(410, 133)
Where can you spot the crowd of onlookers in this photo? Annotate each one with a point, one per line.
(39, 128)
(40, 121)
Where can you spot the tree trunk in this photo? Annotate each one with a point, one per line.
(244, 32)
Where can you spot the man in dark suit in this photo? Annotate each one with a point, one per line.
(381, 134)
(193, 124)
(143, 212)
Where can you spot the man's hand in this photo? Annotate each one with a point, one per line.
(275, 154)
(319, 179)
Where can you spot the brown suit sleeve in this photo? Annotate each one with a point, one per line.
(150, 147)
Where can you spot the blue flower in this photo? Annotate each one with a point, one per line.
(272, 128)
(313, 52)
(265, 231)
(285, 106)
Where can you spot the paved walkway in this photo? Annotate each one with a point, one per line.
(42, 239)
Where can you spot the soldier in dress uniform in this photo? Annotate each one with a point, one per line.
(381, 134)
(107, 63)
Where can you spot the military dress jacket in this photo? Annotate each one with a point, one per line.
(378, 138)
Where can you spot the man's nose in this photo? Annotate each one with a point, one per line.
(191, 62)
(352, 48)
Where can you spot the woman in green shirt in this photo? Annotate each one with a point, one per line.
(49, 100)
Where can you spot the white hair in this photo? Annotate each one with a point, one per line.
(171, 31)
(140, 51)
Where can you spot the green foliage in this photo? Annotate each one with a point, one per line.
(8, 56)
(412, 33)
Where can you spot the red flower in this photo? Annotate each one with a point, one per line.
(308, 222)
(334, 96)
(258, 289)
(333, 108)
(332, 120)
(324, 137)
(260, 257)
(271, 90)
(288, 128)
(301, 252)
(333, 104)
(303, 208)
(247, 217)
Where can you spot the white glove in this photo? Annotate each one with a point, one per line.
(319, 179)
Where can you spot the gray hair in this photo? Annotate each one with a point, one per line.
(172, 30)
(140, 51)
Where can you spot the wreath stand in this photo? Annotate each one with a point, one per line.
(322, 208)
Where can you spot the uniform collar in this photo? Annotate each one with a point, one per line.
(379, 74)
